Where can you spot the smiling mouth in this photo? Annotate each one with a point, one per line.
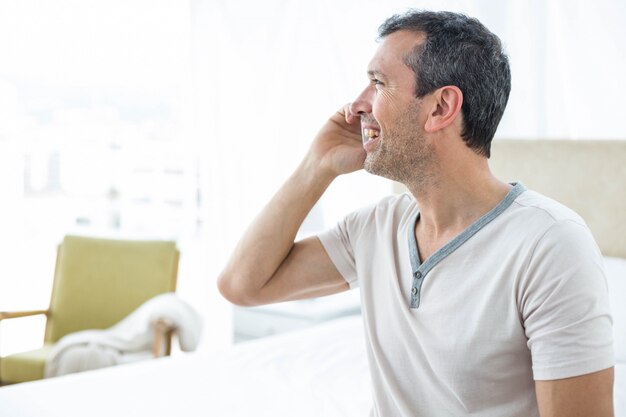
(369, 134)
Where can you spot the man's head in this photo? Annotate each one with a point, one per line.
(459, 51)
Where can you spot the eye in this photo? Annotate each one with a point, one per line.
(376, 82)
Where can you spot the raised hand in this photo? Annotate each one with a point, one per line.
(337, 149)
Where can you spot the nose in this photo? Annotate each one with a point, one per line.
(363, 103)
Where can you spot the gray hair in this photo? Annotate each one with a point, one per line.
(459, 51)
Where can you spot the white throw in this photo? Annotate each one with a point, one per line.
(127, 341)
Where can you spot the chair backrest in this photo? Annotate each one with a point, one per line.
(98, 282)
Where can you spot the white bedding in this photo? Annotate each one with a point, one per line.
(320, 371)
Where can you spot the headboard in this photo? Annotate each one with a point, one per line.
(588, 176)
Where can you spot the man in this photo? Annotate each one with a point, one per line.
(478, 297)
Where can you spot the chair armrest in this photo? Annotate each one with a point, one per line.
(162, 343)
(16, 314)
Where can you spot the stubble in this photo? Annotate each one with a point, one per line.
(403, 154)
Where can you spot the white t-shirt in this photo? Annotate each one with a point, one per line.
(519, 296)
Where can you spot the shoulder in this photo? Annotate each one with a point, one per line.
(538, 218)
(562, 248)
(359, 233)
(549, 239)
(390, 210)
(391, 203)
(534, 204)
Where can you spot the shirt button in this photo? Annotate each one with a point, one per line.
(418, 275)
(414, 291)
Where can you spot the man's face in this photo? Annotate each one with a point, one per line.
(391, 116)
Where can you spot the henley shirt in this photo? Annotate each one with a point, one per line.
(519, 296)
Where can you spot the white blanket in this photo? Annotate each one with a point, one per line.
(128, 341)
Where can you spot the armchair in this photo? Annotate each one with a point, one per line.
(97, 282)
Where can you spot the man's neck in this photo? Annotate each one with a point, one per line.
(454, 199)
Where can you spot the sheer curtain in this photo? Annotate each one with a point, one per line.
(568, 59)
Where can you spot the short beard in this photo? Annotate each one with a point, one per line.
(404, 155)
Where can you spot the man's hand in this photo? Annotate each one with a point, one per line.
(337, 148)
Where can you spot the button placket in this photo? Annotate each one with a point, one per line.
(417, 280)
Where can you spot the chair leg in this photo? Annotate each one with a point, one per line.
(162, 342)
(168, 342)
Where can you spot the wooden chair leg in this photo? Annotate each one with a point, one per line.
(163, 333)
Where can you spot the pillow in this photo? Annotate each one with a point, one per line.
(616, 278)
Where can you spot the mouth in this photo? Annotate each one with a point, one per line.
(370, 137)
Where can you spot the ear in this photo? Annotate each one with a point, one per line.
(446, 106)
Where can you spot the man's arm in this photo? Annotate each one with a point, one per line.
(588, 395)
(267, 266)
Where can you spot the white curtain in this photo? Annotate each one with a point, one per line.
(568, 59)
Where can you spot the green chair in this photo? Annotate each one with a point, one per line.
(97, 282)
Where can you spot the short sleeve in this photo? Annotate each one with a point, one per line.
(564, 305)
(336, 242)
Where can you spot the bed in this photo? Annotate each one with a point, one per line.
(322, 371)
